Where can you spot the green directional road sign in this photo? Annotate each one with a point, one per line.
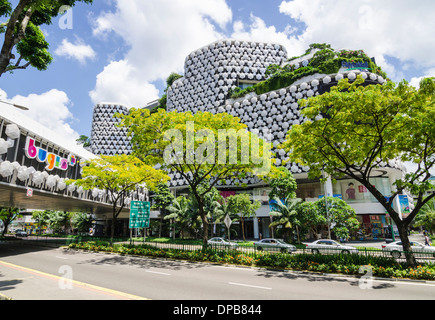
(140, 214)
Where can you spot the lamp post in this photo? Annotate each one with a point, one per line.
(328, 193)
(15, 105)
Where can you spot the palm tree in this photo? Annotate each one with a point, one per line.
(285, 211)
(426, 217)
(183, 213)
(225, 209)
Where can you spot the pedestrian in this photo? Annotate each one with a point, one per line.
(426, 240)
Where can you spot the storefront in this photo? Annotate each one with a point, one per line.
(372, 227)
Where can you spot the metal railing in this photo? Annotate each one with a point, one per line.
(243, 248)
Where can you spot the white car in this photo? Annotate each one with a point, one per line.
(419, 249)
(221, 243)
(330, 246)
(274, 245)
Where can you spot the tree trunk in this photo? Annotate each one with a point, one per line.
(403, 233)
(10, 39)
(161, 222)
(112, 229)
(243, 228)
(204, 224)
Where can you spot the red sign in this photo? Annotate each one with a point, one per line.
(29, 192)
(362, 189)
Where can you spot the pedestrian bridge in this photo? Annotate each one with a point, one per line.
(35, 164)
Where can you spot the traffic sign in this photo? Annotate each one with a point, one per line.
(228, 221)
(140, 214)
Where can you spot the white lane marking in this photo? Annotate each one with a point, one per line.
(249, 286)
(156, 272)
(234, 268)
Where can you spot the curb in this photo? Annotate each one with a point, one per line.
(332, 275)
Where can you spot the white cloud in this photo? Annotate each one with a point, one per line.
(415, 81)
(258, 31)
(159, 35)
(79, 51)
(120, 83)
(51, 109)
(395, 28)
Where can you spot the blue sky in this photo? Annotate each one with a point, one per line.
(123, 50)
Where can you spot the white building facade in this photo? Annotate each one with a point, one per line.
(213, 71)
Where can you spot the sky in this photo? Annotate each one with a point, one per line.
(122, 51)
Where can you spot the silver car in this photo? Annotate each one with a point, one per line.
(419, 249)
(330, 246)
(21, 233)
(274, 245)
(221, 243)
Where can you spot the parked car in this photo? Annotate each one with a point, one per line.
(330, 246)
(21, 233)
(221, 243)
(419, 249)
(274, 245)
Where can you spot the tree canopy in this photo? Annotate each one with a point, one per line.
(118, 176)
(22, 32)
(355, 130)
(201, 147)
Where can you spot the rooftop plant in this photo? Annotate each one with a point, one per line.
(324, 61)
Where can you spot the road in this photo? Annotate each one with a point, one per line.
(35, 273)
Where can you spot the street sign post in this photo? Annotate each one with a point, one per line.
(228, 223)
(139, 215)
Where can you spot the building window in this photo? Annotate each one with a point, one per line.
(246, 84)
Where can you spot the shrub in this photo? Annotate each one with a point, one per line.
(345, 264)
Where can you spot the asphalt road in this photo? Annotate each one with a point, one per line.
(34, 273)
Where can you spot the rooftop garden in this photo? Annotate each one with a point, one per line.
(325, 60)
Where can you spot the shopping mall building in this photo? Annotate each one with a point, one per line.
(211, 74)
(35, 166)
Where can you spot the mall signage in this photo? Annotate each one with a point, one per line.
(52, 160)
(355, 65)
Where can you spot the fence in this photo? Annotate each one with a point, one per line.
(423, 256)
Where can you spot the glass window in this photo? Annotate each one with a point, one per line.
(262, 195)
(353, 191)
(244, 85)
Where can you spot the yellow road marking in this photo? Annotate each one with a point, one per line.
(78, 284)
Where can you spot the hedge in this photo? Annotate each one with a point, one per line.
(342, 264)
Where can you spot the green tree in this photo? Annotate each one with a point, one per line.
(163, 100)
(286, 211)
(119, 176)
(60, 221)
(283, 186)
(184, 215)
(354, 129)
(202, 148)
(7, 215)
(22, 32)
(81, 222)
(162, 198)
(244, 207)
(310, 218)
(42, 218)
(84, 140)
(426, 217)
(339, 216)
